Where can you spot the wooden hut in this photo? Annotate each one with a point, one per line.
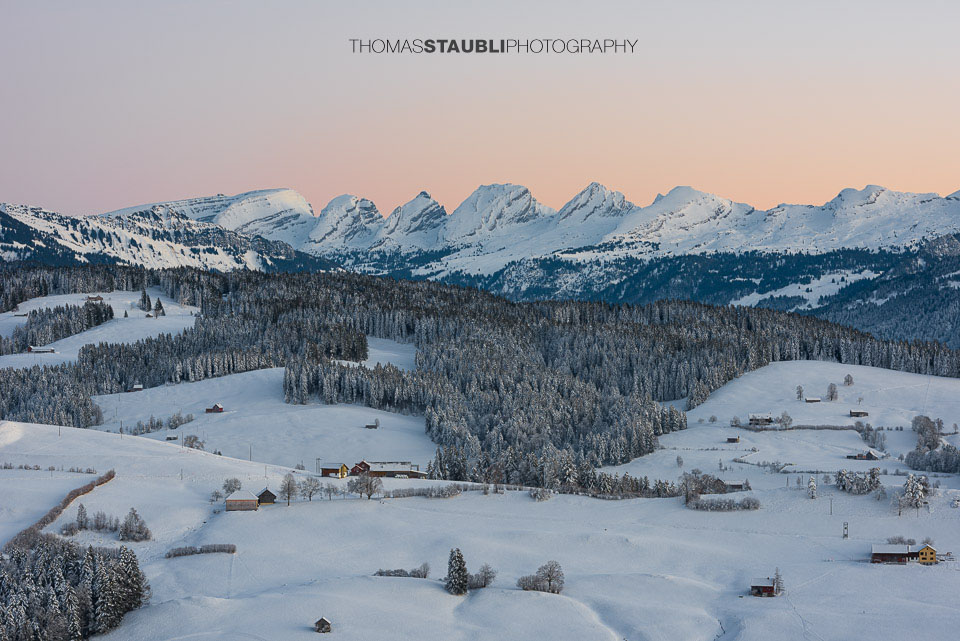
(33, 349)
(266, 497)
(733, 439)
(241, 501)
(323, 625)
(891, 553)
(858, 413)
(216, 409)
(812, 399)
(761, 419)
(763, 587)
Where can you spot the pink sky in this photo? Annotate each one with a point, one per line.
(107, 104)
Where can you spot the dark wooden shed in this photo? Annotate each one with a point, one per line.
(266, 497)
(323, 625)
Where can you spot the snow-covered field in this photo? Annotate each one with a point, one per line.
(635, 569)
(257, 424)
(638, 569)
(120, 329)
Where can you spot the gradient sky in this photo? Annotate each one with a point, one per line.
(109, 104)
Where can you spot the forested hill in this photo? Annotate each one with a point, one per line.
(536, 393)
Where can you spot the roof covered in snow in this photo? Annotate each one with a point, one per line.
(888, 548)
(765, 582)
(241, 495)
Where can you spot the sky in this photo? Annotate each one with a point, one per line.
(110, 104)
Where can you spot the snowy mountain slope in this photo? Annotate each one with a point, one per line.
(156, 237)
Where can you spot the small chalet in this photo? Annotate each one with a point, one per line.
(869, 455)
(761, 419)
(812, 399)
(859, 413)
(136, 387)
(266, 497)
(172, 437)
(733, 439)
(241, 501)
(335, 472)
(149, 315)
(763, 587)
(216, 409)
(39, 350)
(323, 625)
(926, 555)
(373, 426)
(359, 468)
(94, 299)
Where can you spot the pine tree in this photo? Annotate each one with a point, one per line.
(457, 575)
(812, 487)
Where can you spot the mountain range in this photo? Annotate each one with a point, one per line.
(831, 259)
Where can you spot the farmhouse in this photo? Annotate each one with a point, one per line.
(39, 350)
(761, 419)
(891, 553)
(859, 413)
(216, 409)
(925, 554)
(335, 472)
(323, 625)
(763, 587)
(94, 299)
(396, 469)
(241, 501)
(266, 497)
(812, 399)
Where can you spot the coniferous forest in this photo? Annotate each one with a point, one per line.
(533, 393)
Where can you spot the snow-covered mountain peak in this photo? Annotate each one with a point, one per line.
(418, 222)
(491, 208)
(347, 221)
(594, 200)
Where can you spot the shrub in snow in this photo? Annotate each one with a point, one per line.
(230, 486)
(549, 578)
(540, 494)
(432, 492)
(134, 528)
(724, 504)
(421, 572)
(210, 548)
(483, 578)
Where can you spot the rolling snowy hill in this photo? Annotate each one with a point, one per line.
(635, 569)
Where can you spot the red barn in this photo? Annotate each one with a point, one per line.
(359, 468)
(216, 409)
(763, 587)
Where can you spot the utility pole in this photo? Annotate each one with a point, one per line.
(251, 451)
(831, 507)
